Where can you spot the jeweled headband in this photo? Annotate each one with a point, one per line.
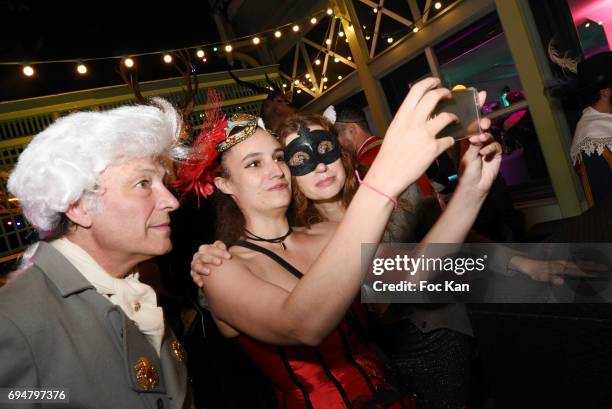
(239, 127)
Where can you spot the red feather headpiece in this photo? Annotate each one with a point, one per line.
(197, 173)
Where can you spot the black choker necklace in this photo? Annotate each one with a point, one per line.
(275, 240)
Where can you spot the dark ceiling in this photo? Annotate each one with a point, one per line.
(42, 31)
(35, 30)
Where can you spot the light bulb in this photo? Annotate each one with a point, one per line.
(28, 71)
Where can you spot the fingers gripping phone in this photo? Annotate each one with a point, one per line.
(464, 104)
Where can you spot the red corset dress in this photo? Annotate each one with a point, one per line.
(342, 372)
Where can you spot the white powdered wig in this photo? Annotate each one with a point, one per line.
(65, 160)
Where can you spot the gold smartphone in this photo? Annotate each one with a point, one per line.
(464, 104)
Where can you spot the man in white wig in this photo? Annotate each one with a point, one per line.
(77, 318)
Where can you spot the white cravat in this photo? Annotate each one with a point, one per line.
(137, 300)
(593, 134)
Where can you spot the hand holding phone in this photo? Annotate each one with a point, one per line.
(464, 104)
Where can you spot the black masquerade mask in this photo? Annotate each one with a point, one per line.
(309, 149)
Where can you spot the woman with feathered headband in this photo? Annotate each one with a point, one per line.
(282, 295)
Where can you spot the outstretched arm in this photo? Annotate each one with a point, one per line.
(319, 301)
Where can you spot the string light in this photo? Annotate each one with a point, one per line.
(284, 85)
(199, 51)
(415, 29)
(299, 91)
(339, 77)
(307, 76)
(324, 79)
(296, 82)
(367, 37)
(349, 58)
(587, 25)
(375, 10)
(28, 71)
(390, 40)
(438, 5)
(325, 87)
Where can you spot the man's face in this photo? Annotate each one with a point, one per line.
(345, 137)
(133, 221)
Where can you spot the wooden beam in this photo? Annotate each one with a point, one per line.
(376, 31)
(414, 9)
(300, 86)
(397, 17)
(372, 88)
(295, 64)
(531, 64)
(331, 53)
(332, 31)
(309, 66)
(388, 12)
(426, 11)
(458, 16)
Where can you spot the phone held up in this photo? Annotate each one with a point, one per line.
(464, 104)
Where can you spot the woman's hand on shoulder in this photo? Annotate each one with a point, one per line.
(207, 256)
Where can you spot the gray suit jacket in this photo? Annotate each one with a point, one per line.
(56, 331)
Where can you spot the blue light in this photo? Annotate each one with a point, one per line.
(504, 99)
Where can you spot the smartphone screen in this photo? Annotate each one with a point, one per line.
(464, 104)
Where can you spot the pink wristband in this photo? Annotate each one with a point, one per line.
(392, 199)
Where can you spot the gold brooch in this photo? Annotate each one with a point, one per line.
(146, 374)
(178, 351)
(247, 124)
